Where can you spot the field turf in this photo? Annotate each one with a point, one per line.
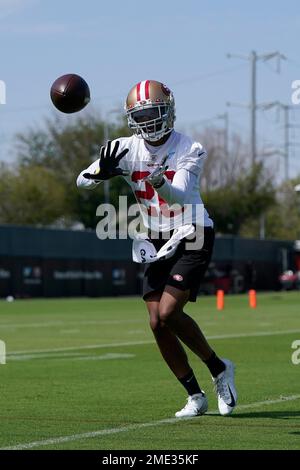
(86, 374)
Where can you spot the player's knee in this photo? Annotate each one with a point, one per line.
(153, 318)
(166, 313)
(154, 324)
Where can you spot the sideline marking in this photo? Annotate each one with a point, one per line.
(137, 343)
(71, 356)
(67, 323)
(133, 427)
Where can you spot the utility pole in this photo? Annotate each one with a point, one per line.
(286, 109)
(226, 131)
(224, 164)
(287, 126)
(253, 58)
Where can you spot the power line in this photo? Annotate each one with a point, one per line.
(100, 98)
(208, 75)
(293, 62)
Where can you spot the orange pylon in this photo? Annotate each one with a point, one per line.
(220, 299)
(252, 298)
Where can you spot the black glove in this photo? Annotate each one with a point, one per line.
(108, 165)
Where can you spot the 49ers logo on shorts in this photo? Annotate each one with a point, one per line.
(177, 277)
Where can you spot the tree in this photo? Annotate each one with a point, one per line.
(65, 150)
(236, 193)
(30, 196)
(222, 168)
(233, 206)
(283, 219)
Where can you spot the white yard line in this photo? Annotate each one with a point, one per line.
(71, 356)
(256, 333)
(67, 323)
(104, 357)
(133, 427)
(29, 357)
(79, 348)
(142, 342)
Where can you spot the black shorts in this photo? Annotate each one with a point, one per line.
(184, 270)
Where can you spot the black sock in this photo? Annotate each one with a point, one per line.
(215, 365)
(190, 383)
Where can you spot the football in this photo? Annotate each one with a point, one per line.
(70, 93)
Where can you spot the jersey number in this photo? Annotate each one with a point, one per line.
(149, 193)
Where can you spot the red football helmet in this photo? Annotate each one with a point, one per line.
(150, 110)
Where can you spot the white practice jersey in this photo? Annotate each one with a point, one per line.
(180, 190)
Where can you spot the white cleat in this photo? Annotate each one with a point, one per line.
(196, 405)
(225, 389)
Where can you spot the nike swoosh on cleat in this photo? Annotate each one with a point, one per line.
(232, 403)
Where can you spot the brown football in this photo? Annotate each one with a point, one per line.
(70, 93)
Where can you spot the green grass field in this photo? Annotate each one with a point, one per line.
(86, 374)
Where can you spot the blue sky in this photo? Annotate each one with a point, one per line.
(114, 44)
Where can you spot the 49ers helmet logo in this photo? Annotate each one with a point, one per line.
(165, 89)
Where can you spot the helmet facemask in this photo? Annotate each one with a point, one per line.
(151, 122)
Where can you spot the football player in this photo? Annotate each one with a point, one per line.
(163, 167)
